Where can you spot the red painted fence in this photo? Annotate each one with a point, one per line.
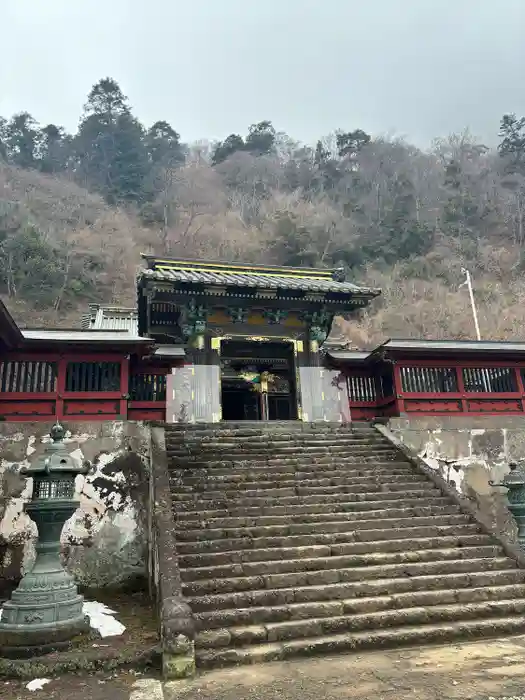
(473, 388)
(79, 387)
(75, 386)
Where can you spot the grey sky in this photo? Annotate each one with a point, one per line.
(418, 68)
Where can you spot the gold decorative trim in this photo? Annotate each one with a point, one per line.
(297, 273)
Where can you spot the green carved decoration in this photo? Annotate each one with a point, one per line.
(45, 611)
(275, 316)
(319, 324)
(238, 314)
(193, 319)
(318, 334)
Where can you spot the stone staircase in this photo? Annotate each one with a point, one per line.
(300, 539)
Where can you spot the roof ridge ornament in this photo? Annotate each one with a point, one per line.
(57, 432)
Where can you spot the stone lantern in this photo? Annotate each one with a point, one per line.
(45, 611)
(514, 482)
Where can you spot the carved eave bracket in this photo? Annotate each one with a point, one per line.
(275, 316)
(319, 326)
(238, 314)
(193, 321)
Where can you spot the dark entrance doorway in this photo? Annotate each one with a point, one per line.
(258, 381)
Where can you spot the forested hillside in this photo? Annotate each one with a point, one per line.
(76, 211)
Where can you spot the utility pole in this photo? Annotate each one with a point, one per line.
(468, 282)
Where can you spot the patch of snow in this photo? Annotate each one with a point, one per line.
(101, 618)
(38, 683)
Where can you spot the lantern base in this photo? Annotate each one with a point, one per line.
(26, 641)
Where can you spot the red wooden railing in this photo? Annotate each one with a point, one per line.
(474, 388)
(428, 387)
(370, 394)
(54, 386)
(147, 393)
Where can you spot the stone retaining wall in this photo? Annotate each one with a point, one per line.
(469, 452)
(105, 542)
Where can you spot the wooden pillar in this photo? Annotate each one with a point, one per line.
(377, 369)
(124, 388)
(299, 358)
(313, 377)
(521, 386)
(398, 389)
(216, 386)
(61, 387)
(461, 388)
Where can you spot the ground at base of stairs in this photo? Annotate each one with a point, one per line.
(97, 686)
(484, 670)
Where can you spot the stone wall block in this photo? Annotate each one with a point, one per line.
(105, 542)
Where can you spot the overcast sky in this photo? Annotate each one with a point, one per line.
(416, 68)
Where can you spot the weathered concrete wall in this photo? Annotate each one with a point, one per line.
(105, 542)
(469, 452)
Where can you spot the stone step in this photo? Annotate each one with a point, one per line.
(277, 493)
(212, 483)
(228, 430)
(229, 453)
(353, 574)
(306, 464)
(356, 589)
(277, 440)
(246, 471)
(229, 617)
(209, 534)
(201, 521)
(331, 538)
(383, 638)
(318, 627)
(202, 559)
(304, 511)
(282, 566)
(284, 446)
(214, 502)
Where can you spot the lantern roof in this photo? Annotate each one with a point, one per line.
(55, 457)
(515, 476)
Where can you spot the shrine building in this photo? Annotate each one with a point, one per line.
(210, 342)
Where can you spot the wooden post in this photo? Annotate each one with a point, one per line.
(520, 385)
(124, 388)
(61, 387)
(461, 388)
(398, 389)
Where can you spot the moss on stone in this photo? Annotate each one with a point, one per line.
(178, 666)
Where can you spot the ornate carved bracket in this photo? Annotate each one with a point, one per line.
(238, 314)
(275, 316)
(193, 320)
(319, 324)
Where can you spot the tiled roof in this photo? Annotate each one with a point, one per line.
(111, 318)
(85, 336)
(303, 280)
(485, 346)
(349, 355)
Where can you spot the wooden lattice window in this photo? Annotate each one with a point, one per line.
(93, 376)
(429, 380)
(496, 380)
(147, 387)
(361, 388)
(25, 376)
